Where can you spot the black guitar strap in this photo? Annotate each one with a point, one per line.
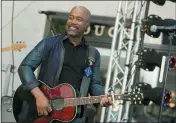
(87, 80)
(85, 88)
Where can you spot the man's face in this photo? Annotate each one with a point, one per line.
(77, 22)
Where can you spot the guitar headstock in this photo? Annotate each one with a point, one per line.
(134, 97)
(18, 46)
(153, 94)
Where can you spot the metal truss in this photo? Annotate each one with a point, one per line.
(126, 40)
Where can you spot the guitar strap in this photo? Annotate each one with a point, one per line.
(84, 86)
(87, 79)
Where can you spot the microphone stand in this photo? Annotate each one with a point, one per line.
(166, 73)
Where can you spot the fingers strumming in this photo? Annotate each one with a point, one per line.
(45, 112)
(49, 109)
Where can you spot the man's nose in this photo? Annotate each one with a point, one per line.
(74, 21)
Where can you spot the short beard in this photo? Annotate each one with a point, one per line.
(74, 35)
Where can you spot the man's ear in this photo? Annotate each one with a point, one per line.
(87, 25)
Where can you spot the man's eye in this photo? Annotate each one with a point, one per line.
(79, 19)
(70, 18)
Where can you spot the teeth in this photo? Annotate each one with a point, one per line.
(72, 28)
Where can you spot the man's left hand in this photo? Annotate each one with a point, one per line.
(106, 101)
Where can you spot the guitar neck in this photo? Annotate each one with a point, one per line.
(15, 47)
(87, 100)
(5, 49)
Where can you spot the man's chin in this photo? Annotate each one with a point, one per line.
(73, 35)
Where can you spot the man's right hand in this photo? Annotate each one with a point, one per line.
(42, 102)
(43, 106)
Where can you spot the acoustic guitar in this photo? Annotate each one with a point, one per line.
(64, 102)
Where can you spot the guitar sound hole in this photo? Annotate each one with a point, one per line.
(57, 103)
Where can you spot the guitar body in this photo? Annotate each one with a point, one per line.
(65, 114)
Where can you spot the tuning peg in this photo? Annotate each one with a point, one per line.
(142, 96)
(140, 102)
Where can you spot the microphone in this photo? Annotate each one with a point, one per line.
(155, 28)
(47, 12)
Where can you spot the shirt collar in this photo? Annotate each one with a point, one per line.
(83, 41)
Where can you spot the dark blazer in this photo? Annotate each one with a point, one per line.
(49, 53)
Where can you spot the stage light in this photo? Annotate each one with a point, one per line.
(150, 21)
(172, 63)
(153, 26)
(150, 59)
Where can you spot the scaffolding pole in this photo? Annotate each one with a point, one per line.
(118, 74)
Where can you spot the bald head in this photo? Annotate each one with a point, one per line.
(86, 12)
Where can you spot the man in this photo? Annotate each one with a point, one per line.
(63, 58)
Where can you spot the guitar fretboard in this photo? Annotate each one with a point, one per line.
(86, 100)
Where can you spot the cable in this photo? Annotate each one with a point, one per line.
(13, 61)
(12, 37)
(17, 15)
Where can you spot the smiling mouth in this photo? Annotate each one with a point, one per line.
(73, 27)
